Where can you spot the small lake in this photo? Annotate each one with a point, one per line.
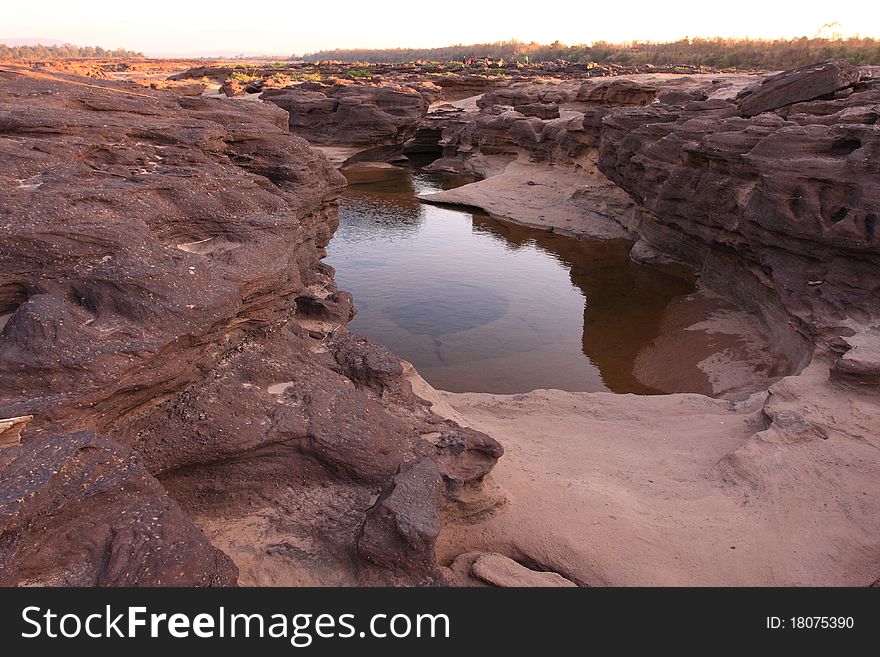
(479, 305)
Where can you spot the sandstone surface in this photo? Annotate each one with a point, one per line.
(353, 113)
(167, 315)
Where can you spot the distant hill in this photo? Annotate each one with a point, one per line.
(744, 54)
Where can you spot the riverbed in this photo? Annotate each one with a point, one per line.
(479, 305)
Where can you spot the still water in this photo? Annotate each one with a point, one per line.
(480, 305)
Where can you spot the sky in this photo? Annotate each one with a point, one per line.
(291, 27)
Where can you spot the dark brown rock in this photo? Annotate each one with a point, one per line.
(402, 527)
(168, 293)
(526, 94)
(505, 133)
(369, 114)
(680, 96)
(366, 362)
(79, 510)
(425, 140)
(616, 93)
(456, 87)
(464, 455)
(795, 202)
(797, 85)
(540, 110)
(126, 264)
(182, 88)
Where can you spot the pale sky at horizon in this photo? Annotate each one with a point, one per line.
(289, 27)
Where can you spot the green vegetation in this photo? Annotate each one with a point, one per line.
(359, 73)
(306, 77)
(243, 77)
(67, 51)
(714, 53)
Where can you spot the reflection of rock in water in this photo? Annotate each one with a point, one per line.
(391, 219)
(381, 180)
(388, 195)
(622, 314)
(624, 301)
(456, 306)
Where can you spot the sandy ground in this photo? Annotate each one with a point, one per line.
(338, 154)
(468, 104)
(680, 489)
(549, 197)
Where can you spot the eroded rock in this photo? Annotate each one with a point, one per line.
(80, 510)
(400, 530)
(860, 363)
(797, 85)
(368, 114)
(498, 570)
(616, 93)
(161, 283)
(795, 202)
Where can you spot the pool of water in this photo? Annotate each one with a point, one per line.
(480, 305)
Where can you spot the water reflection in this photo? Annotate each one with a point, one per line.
(623, 301)
(478, 305)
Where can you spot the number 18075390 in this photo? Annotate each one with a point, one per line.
(810, 623)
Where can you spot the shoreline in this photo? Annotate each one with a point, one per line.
(595, 487)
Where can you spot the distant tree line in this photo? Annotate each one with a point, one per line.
(714, 53)
(67, 51)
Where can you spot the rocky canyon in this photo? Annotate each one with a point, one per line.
(182, 403)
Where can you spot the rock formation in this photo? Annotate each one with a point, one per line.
(166, 314)
(616, 93)
(78, 510)
(352, 113)
(804, 83)
(769, 189)
(784, 202)
(492, 569)
(793, 202)
(171, 340)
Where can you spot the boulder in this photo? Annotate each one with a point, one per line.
(498, 570)
(860, 364)
(401, 529)
(797, 85)
(680, 96)
(540, 110)
(618, 92)
(233, 87)
(526, 94)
